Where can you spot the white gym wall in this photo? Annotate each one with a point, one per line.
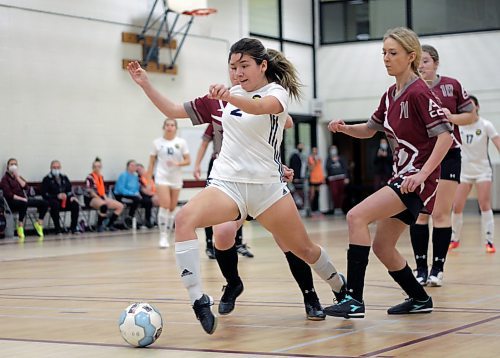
(64, 94)
(357, 76)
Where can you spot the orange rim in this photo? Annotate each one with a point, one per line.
(201, 12)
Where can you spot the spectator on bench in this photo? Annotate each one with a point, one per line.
(127, 187)
(148, 187)
(95, 197)
(13, 186)
(56, 189)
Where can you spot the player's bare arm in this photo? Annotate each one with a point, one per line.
(264, 105)
(199, 157)
(360, 130)
(164, 104)
(461, 119)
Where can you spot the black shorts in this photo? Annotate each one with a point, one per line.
(412, 201)
(88, 199)
(451, 165)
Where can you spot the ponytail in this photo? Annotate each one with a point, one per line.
(283, 72)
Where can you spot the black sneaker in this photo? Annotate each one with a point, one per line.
(127, 222)
(243, 250)
(412, 306)
(421, 274)
(204, 314)
(228, 299)
(347, 308)
(314, 311)
(210, 253)
(111, 228)
(339, 296)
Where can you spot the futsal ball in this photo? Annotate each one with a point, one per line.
(140, 324)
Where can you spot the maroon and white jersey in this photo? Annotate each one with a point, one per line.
(206, 110)
(411, 122)
(454, 97)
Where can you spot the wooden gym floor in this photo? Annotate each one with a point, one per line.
(63, 297)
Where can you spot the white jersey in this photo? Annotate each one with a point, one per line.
(475, 139)
(166, 152)
(250, 150)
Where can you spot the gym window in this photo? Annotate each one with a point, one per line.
(361, 20)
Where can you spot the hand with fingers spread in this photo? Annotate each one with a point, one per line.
(337, 125)
(137, 73)
(219, 91)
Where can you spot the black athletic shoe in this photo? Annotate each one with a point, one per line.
(243, 250)
(314, 311)
(228, 299)
(210, 253)
(339, 296)
(204, 313)
(347, 308)
(412, 306)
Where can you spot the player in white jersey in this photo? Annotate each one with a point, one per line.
(476, 169)
(169, 154)
(205, 110)
(246, 178)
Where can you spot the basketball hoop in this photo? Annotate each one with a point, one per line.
(201, 12)
(191, 7)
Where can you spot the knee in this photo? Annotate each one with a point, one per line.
(355, 219)
(185, 219)
(439, 217)
(224, 237)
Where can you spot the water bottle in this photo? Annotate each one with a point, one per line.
(134, 223)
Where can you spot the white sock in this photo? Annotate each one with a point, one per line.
(325, 269)
(170, 220)
(188, 262)
(162, 219)
(487, 225)
(457, 221)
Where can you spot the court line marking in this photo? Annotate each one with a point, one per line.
(205, 350)
(429, 337)
(325, 339)
(177, 301)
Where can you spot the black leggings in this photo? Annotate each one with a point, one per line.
(146, 203)
(21, 207)
(55, 209)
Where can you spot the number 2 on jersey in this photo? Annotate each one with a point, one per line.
(236, 112)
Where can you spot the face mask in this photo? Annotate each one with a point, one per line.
(300, 150)
(13, 168)
(334, 152)
(55, 172)
(383, 146)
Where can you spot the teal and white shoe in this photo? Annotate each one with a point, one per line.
(347, 308)
(412, 306)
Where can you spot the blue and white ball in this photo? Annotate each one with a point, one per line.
(140, 324)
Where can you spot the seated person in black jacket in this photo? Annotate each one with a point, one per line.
(56, 189)
(14, 186)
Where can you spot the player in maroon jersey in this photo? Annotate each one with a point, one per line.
(419, 134)
(205, 110)
(460, 110)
